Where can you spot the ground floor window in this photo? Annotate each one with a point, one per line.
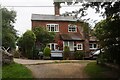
(93, 46)
(53, 46)
(79, 46)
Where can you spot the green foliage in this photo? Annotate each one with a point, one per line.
(47, 51)
(43, 36)
(86, 29)
(26, 43)
(79, 55)
(108, 33)
(66, 52)
(8, 32)
(15, 70)
(17, 54)
(35, 53)
(111, 8)
(66, 49)
(8, 40)
(96, 71)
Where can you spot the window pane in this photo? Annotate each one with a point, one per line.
(90, 45)
(79, 47)
(49, 46)
(52, 28)
(56, 27)
(95, 46)
(48, 27)
(65, 43)
(72, 28)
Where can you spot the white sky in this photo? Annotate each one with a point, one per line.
(23, 19)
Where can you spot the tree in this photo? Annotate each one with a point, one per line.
(110, 8)
(8, 32)
(43, 37)
(26, 43)
(107, 31)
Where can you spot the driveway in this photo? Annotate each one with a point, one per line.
(56, 68)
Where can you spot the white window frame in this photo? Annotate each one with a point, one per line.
(68, 44)
(93, 46)
(81, 46)
(56, 29)
(72, 26)
(51, 45)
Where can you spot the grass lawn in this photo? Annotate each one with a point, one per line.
(98, 72)
(15, 70)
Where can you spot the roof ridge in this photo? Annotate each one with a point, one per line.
(51, 15)
(43, 14)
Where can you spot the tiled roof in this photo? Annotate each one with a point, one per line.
(52, 17)
(71, 36)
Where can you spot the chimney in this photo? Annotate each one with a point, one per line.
(57, 8)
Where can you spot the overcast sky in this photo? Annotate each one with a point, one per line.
(23, 19)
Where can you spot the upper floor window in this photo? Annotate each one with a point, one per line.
(93, 46)
(52, 27)
(72, 28)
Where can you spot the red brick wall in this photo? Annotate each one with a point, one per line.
(63, 26)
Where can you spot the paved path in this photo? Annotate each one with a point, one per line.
(56, 69)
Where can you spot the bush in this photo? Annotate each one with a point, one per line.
(16, 54)
(79, 55)
(102, 58)
(47, 52)
(66, 52)
(35, 53)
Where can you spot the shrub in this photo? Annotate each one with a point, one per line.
(26, 43)
(66, 52)
(46, 52)
(79, 55)
(16, 54)
(35, 53)
(102, 58)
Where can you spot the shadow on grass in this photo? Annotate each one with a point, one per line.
(100, 72)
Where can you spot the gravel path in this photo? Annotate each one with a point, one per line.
(56, 68)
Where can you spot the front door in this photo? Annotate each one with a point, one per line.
(70, 44)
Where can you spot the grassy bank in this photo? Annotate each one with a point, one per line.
(98, 72)
(15, 70)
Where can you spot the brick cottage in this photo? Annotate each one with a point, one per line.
(69, 31)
